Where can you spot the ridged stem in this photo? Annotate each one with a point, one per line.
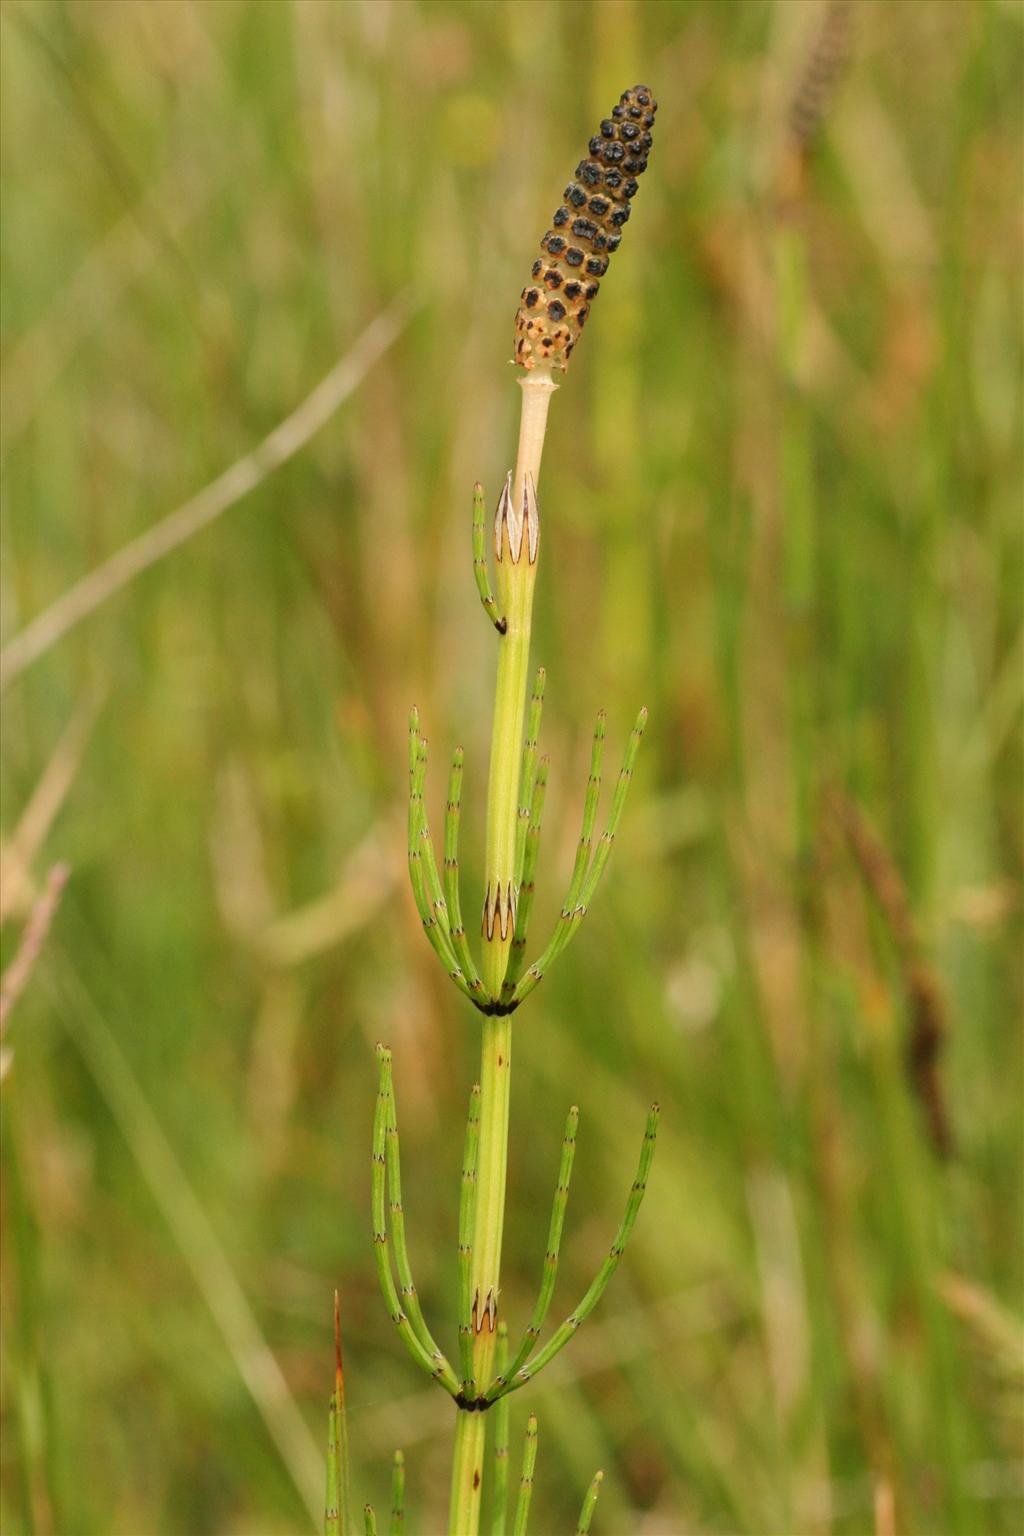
(489, 1221)
(515, 582)
(515, 585)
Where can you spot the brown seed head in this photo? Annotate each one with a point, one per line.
(584, 233)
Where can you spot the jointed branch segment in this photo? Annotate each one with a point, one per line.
(499, 1506)
(589, 1501)
(457, 931)
(527, 780)
(397, 1496)
(426, 887)
(517, 954)
(522, 1515)
(396, 1525)
(519, 1377)
(526, 1481)
(547, 1288)
(407, 1290)
(587, 871)
(385, 1170)
(480, 571)
(441, 909)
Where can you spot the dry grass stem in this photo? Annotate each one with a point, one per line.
(201, 510)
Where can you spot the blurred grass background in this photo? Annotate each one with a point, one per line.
(781, 501)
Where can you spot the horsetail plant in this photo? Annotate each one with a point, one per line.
(585, 231)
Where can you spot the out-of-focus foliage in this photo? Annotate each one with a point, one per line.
(781, 506)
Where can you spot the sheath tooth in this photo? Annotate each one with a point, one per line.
(503, 516)
(532, 514)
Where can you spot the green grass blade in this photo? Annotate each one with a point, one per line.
(336, 1511)
(480, 569)
(381, 1249)
(519, 1525)
(332, 1497)
(456, 927)
(564, 1333)
(195, 1235)
(499, 1505)
(467, 1220)
(589, 1501)
(397, 1525)
(547, 1288)
(369, 1520)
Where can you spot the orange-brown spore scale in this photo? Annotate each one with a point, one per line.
(585, 232)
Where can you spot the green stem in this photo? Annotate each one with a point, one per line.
(516, 565)
(467, 1208)
(489, 1221)
(516, 547)
(467, 1464)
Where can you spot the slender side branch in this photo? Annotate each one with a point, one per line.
(524, 907)
(589, 1501)
(432, 880)
(586, 842)
(467, 1218)
(499, 1505)
(547, 1288)
(369, 1520)
(579, 899)
(480, 571)
(456, 929)
(397, 1495)
(521, 1521)
(527, 777)
(407, 1289)
(604, 847)
(438, 1371)
(563, 1334)
(421, 862)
